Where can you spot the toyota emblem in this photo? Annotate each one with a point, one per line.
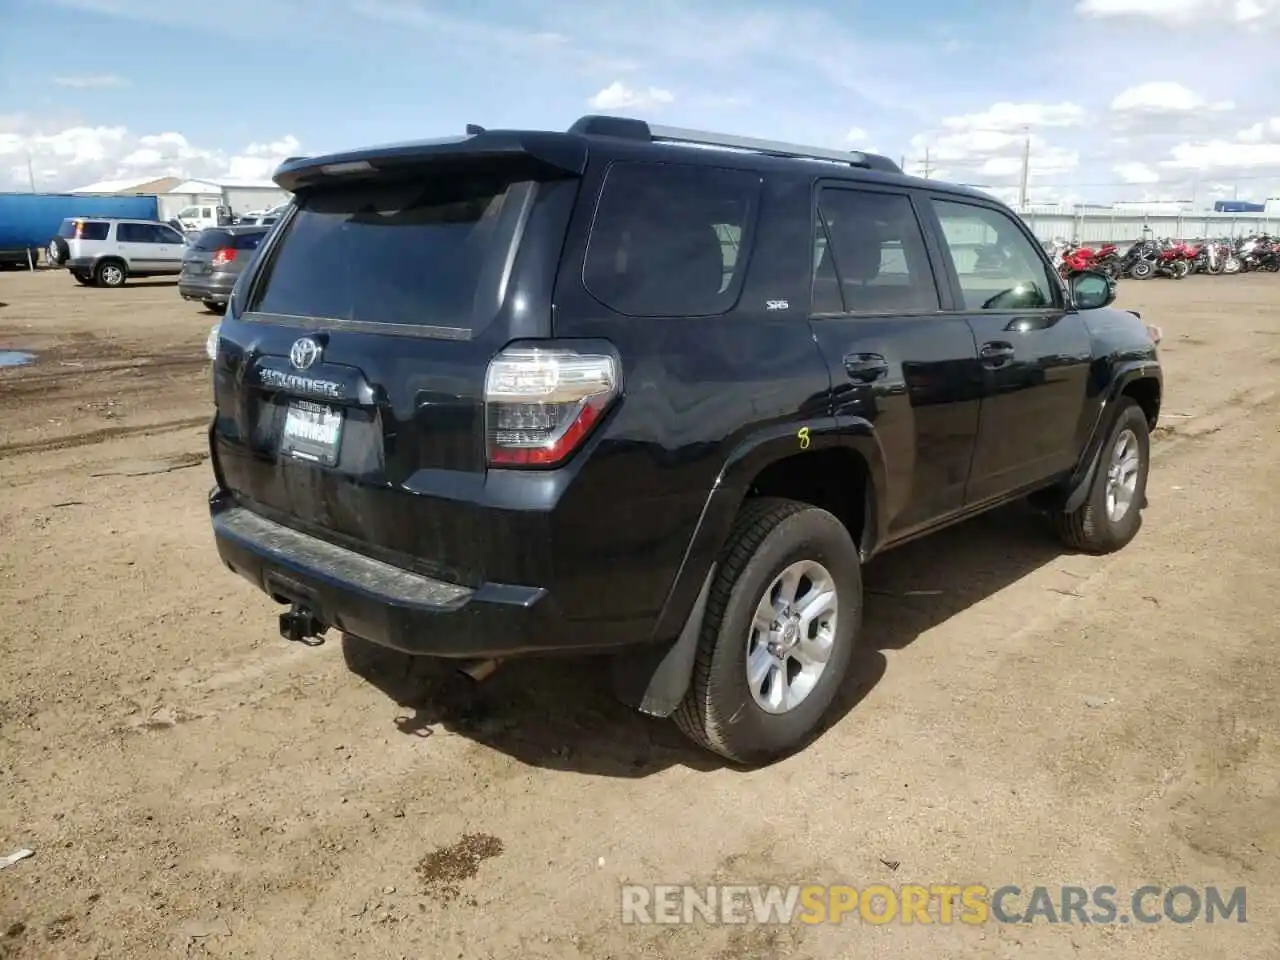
(304, 353)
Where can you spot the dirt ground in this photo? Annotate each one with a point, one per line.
(192, 785)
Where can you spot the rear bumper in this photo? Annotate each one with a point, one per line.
(212, 290)
(391, 606)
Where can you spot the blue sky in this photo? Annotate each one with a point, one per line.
(1123, 98)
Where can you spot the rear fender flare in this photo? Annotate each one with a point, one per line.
(1125, 375)
(659, 678)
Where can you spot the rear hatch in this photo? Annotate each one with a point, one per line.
(351, 371)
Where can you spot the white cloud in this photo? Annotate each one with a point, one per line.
(63, 159)
(485, 33)
(856, 135)
(618, 96)
(1224, 156)
(99, 81)
(986, 148)
(1185, 12)
(1163, 98)
(1007, 117)
(1264, 131)
(1135, 172)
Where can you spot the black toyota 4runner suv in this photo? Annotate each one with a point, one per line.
(653, 393)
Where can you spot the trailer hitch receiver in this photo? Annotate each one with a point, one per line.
(300, 625)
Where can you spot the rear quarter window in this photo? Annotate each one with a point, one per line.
(89, 230)
(671, 240)
(428, 251)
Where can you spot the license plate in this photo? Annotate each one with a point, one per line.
(312, 431)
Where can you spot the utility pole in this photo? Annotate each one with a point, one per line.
(1026, 171)
(928, 167)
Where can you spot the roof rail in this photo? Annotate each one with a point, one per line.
(640, 130)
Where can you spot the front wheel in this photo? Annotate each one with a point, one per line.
(1180, 269)
(1141, 270)
(1112, 513)
(778, 634)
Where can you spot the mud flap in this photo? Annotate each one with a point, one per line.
(654, 679)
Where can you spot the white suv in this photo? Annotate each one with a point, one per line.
(103, 251)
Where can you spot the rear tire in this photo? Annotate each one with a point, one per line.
(1111, 515)
(84, 278)
(803, 668)
(110, 274)
(1141, 270)
(214, 307)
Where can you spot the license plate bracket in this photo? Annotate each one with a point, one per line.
(312, 431)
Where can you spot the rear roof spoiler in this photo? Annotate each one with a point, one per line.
(555, 150)
(565, 151)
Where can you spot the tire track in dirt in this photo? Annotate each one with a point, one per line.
(99, 436)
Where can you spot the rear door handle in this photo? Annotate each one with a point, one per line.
(996, 353)
(865, 367)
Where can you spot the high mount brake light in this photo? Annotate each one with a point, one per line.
(541, 403)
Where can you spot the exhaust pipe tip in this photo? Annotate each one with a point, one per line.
(478, 671)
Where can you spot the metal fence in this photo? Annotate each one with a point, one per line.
(1100, 226)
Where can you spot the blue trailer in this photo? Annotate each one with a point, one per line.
(1238, 206)
(28, 221)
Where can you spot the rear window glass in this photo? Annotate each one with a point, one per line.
(92, 230)
(421, 252)
(210, 240)
(670, 240)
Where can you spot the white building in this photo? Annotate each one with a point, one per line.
(177, 195)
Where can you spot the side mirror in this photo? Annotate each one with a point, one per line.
(1091, 290)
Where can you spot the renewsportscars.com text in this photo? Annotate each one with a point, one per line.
(971, 904)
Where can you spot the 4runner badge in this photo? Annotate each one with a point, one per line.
(304, 353)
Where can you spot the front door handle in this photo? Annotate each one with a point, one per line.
(996, 353)
(865, 367)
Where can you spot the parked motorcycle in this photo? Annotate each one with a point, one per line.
(1071, 258)
(1152, 258)
(1258, 253)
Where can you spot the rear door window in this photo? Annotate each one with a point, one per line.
(671, 240)
(430, 251)
(870, 255)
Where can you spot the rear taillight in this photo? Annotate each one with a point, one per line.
(541, 403)
(223, 257)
